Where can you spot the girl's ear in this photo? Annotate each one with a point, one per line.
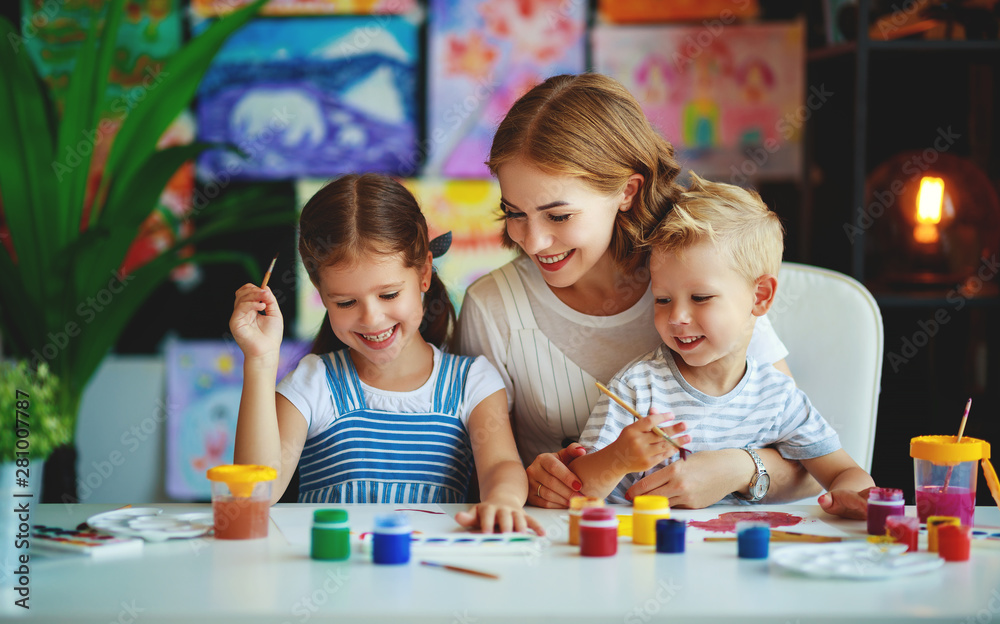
(764, 292)
(425, 274)
(632, 186)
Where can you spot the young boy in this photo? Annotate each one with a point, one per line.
(713, 266)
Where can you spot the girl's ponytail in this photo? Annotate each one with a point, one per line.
(439, 314)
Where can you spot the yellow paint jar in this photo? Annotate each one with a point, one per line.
(576, 506)
(646, 510)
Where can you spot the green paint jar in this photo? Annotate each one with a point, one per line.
(331, 536)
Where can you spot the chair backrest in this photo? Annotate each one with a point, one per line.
(832, 327)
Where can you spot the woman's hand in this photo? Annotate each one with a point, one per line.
(504, 518)
(550, 483)
(256, 334)
(701, 480)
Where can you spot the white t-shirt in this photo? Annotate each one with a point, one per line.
(600, 345)
(307, 389)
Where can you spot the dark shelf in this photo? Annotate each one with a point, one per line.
(931, 300)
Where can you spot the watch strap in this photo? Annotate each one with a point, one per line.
(753, 480)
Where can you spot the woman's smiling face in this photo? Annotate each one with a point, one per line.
(562, 224)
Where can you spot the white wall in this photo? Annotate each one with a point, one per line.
(121, 432)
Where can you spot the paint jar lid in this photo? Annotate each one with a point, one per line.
(945, 449)
(885, 494)
(330, 517)
(670, 526)
(242, 477)
(651, 503)
(599, 517)
(392, 523)
(582, 502)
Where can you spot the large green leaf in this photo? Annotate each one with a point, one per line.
(25, 163)
(174, 88)
(80, 129)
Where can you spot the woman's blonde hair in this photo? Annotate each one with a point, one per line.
(589, 126)
(735, 220)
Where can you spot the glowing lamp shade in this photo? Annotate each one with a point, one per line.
(932, 220)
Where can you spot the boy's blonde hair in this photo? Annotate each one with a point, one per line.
(736, 220)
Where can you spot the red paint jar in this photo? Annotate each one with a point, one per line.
(882, 503)
(903, 529)
(598, 532)
(954, 542)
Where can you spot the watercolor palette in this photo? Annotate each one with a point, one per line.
(463, 544)
(857, 561)
(152, 524)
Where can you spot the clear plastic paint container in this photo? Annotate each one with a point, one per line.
(241, 500)
(945, 474)
(576, 506)
(646, 510)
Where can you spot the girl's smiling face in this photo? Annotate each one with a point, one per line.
(562, 224)
(375, 304)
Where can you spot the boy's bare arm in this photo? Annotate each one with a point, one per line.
(846, 482)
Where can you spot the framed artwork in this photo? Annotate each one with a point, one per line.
(483, 56)
(215, 8)
(319, 96)
(204, 383)
(729, 99)
(640, 11)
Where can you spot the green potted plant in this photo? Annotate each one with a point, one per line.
(58, 248)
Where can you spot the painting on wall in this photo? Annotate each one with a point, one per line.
(204, 382)
(150, 32)
(729, 99)
(483, 56)
(639, 11)
(214, 8)
(320, 96)
(469, 209)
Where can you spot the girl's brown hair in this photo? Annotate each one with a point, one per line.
(356, 215)
(589, 126)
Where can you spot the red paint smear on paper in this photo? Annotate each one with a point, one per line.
(726, 523)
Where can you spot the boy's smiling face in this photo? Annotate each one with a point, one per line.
(704, 310)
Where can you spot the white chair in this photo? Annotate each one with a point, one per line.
(832, 327)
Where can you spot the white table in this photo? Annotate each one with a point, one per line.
(273, 580)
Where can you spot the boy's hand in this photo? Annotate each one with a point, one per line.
(845, 503)
(256, 334)
(488, 516)
(639, 448)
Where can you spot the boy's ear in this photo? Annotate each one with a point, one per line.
(764, 291)
(632, 186)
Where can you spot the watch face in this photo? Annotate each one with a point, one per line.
(760, 488)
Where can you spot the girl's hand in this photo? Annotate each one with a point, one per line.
(256, 334)
(550, 483)
(488, 516)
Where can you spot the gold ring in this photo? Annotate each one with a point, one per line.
(538, 493)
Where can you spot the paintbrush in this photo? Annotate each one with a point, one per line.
(267, 275)
(961, 430)
(459, 569)
(789, 536)
(637, 415)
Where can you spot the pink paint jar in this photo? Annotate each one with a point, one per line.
(945, 473)
(598, 532)
(882, 503)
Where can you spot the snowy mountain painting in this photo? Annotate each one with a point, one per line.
(311, 97)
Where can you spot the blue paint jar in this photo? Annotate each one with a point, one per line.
(391, 539)
(753, 539)
(670, 536)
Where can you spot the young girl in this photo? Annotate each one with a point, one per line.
(583, 178)
(377, 412)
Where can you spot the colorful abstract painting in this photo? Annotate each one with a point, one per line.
(214, 8)
(311, 97)
(469, 209)
(204, 383)
(483, 56)
(150, 32)
(728, 97)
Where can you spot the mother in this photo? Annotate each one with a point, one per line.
(583, 175)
